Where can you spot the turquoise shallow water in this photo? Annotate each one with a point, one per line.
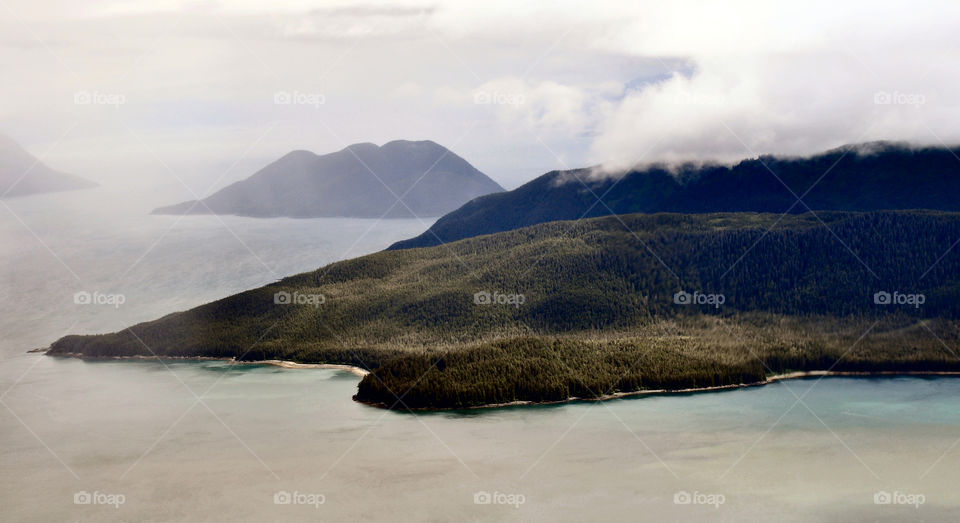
(137, 429)
(211, 441)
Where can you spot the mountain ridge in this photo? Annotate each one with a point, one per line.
(855, 177)
(23, 174)
(362, 180)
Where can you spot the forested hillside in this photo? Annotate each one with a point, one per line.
(642, 300)
(864, 177)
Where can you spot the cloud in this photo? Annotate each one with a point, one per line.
(543, 108)
(560, 83)
(742, 77)
(407, 90)
(785, 80)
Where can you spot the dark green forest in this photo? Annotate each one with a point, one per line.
(861, 177)
(588, 308)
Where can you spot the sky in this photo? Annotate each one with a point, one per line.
(176, 99)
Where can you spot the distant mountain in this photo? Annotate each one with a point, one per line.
(362, 180)
(21, 173)
(865, 177)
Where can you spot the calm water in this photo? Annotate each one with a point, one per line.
(136, 431)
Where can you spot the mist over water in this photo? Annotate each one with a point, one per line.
(137, 429)
(103, 241)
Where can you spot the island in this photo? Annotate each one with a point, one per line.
(597, 308)
(400, 179)
(22, 174)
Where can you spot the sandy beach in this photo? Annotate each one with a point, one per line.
(359, 372)
(294, 365)
(278, 363)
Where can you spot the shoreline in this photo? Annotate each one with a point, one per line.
(360, 373)
(356, 371)
(663, 392)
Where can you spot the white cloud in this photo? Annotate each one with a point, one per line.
(541, 108)
(599, 82)
(407, 90)
(769, 78)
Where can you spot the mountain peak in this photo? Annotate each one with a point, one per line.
(362, 146)
(21, 173)
(413, 143)
(360, 180)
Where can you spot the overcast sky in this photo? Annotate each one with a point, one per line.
(152, 93)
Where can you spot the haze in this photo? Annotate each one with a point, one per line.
(171, 100)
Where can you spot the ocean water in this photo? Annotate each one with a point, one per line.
(160, 441)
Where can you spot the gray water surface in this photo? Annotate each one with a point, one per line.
(214, 441)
